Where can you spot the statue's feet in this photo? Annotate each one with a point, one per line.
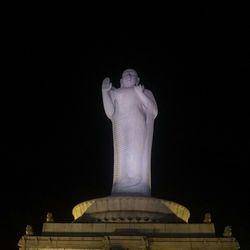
(129, 182)
(130, 186)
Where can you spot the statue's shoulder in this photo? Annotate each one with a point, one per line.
(148, 92)
(115, 92)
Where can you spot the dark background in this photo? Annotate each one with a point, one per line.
(56, 142)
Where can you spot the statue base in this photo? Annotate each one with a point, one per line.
(130, 209)
(128, 222)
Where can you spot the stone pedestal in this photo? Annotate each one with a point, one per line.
(128, 223)
(130, 209)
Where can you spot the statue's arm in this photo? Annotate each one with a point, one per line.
(151, 103)
(147, 99)
(107, 97)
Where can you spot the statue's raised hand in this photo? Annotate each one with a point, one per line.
(106, 84)
(139, 88)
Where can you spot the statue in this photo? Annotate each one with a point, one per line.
(132, 110)
(227, 231)
(29, 230)
(49, 217)
(207, 218)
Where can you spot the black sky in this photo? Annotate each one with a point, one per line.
(56, 144)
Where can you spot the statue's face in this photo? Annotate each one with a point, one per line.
(129, 78)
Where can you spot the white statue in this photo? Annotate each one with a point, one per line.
(132, 110)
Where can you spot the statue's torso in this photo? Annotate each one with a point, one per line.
(132, 142)
(127, 103)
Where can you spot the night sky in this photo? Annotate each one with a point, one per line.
(56, 141)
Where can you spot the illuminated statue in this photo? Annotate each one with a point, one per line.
(207, 218)
(49, 217)
(29, 230)
(132, 110)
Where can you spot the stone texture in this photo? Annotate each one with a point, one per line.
(123, 234)
(126, 208)
(126, 239)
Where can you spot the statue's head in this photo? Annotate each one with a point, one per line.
(129, 78)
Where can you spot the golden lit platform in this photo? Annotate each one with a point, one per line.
(130, 209)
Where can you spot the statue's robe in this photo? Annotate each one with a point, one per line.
(132, 124)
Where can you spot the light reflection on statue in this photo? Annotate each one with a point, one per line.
(132, 110)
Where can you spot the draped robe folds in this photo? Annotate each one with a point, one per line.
(132, 124)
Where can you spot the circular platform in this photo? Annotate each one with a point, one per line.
(130, 209)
